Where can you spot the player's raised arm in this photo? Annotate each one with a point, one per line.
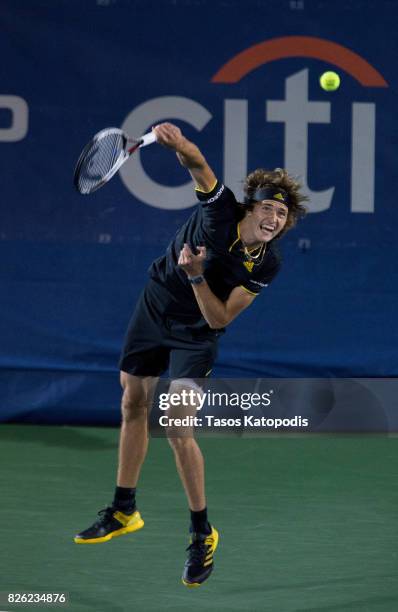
(188, 153)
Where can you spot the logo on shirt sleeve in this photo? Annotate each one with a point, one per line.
(216, 196)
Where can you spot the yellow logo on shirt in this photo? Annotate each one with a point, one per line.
(248, 265)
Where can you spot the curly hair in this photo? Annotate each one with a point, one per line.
(278, 178)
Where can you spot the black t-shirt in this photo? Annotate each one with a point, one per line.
(214, 224)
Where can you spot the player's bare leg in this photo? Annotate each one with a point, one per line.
(136, 404)
(190, 466)
(188, 456)
(122, 517)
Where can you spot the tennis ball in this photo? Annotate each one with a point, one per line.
(330, 81)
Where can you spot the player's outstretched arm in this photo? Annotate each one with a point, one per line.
(188, 153)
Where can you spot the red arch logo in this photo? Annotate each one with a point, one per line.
(299, 46)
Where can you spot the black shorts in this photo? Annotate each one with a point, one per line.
(156, 341)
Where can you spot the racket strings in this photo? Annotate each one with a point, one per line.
(99, 160)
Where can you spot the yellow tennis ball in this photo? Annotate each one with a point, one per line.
(330, 81)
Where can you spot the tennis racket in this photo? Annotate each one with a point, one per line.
(102, 157)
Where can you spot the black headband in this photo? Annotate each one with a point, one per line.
(268, 193)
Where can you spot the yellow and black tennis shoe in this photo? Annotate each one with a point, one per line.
(111, 523)
(199, 564)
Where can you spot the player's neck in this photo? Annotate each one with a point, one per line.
(247, 238)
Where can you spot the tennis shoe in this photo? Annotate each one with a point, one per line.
(199, 563)
(111, 523)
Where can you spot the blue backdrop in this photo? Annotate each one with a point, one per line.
(242, 80)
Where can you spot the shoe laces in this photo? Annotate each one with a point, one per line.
(197, 550)
(105, 514)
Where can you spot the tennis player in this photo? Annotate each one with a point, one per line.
(213, 269)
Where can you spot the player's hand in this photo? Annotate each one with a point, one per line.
(192, 264)
(168, 135)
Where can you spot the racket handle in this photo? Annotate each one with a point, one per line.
(147, 139)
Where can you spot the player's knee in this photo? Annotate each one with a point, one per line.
(180, 444)
(133, 407)
(187, 389)
(135, 399)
